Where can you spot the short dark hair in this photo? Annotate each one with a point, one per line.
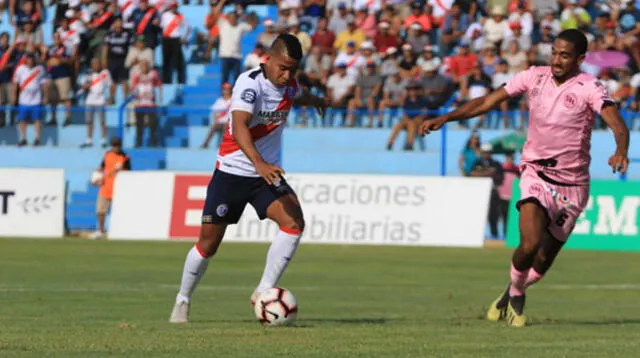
(577, 38)
(287, 44)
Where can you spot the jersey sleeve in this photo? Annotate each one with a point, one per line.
(598, 96)
(245, 95)
(519, 83)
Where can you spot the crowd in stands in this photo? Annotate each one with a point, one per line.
(370, 57)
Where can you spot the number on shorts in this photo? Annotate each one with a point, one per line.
(562, 219)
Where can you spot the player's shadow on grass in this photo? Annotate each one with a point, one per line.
(311, 322)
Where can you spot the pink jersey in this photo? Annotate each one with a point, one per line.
(560, 121)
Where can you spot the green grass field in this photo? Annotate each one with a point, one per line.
(76, 298)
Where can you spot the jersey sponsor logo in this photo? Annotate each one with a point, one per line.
(570, 100)
(273, 116)
(535, 189)
(249, 95)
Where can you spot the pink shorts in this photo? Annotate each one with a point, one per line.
(564, 204)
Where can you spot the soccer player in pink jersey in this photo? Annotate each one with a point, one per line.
(555, 159)
(248, 170)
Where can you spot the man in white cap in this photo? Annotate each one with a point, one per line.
(435, 87)
(496, 27)
(338, 19)
(269, 35)
(367, 93)
(392, 94)
(389, 63)
(384, 39)
(351, 58)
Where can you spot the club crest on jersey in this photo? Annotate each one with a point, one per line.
(222, 210)
(535, 189)
(249, 95)
(570, 100)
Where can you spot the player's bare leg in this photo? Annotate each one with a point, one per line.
(286, 212)
(510, 304)
(194, 268)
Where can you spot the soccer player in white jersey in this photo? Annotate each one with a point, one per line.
(555, 159)
(248, 170)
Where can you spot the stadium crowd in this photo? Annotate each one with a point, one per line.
(370, 57)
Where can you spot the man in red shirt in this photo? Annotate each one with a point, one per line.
(418, 15)
(383, 39)
(323, 37)
(461, 63)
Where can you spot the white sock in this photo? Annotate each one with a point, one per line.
(194, 267)
(280, 253)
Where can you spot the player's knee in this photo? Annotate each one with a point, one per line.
(294, 225)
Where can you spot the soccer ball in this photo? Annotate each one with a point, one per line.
(276, 307)
(96, 177)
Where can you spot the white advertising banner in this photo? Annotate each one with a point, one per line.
(338, 208)
(32, 202)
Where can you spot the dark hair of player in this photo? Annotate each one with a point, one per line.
(287, 44)
(577, 38)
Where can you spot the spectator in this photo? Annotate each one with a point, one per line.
(145, 84)
(211, 24)
(489, 58)
(391, 16)
(418, 16)
(435, 88)
(414, 108)
(486, 166)
(29, 35)
(461, 63)
(125, 8)
(368, 52)
(428, 57)
(113, 162)
(543, 48)
(31, 17)
(333, 5)
(389, 63)
(31, 82)
(521, 16)
(366, 21)
(352, 59)
(70, 39)
(316, 69)
(417, 38)
(543, 7)
(609, 82)
(608, 40)
(392, 94)
(58, 64)
(550, 20)
(269, 35)
(474, 36)
(146, 22)
(8, 58)
(351, 34)
(470, 154)
(455, 24)
(303, 37)
(515, 57)
(230, 52)
(477, 84)
(340, 88)
(61, 8)
(573, 16)
(339, 19)
(374, 6)
(629, 20)
(100, 24)
(524, 41)
(286, 15)
(117, 43)
(367, 93)
(175, 33)
(137, 53)
(323, 37)
(439, 9)
(219, 115)
(408, 62)
(511, 172)
(255, 58)
(383, 39)
(499, 78)
(496, 27)
(96, 85)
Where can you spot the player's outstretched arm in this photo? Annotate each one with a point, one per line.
(242, 136)
(471, 109)
(619, 160)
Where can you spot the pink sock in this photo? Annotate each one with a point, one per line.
(533, 277)
(518, 279)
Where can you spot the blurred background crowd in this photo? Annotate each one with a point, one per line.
(375, 59)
